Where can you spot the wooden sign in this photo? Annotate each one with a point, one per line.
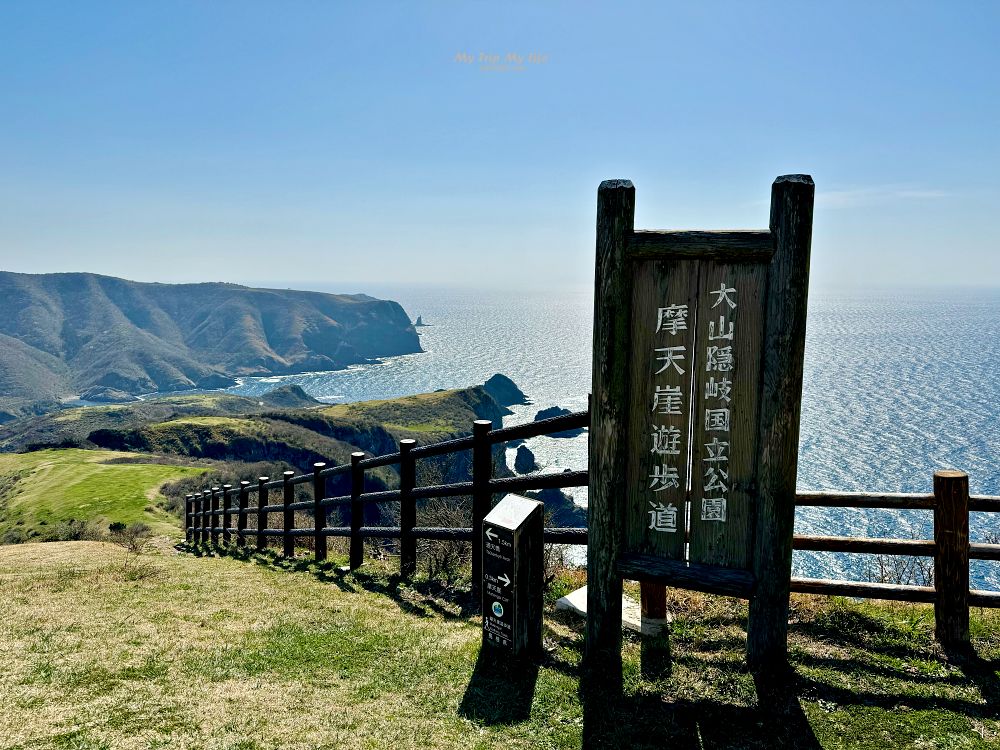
(697, 379)
(694, 386)
(512, 576)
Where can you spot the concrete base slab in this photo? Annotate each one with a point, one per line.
(576, 601)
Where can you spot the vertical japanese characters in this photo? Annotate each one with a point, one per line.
(670, 414)
(719, 363)
(668, 402)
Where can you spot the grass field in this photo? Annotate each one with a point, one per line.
(441, 414)
(251, 654)
(38, 490)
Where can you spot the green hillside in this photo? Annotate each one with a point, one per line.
(40, 490)
(67, 334)
(72, 427)
(431, 416)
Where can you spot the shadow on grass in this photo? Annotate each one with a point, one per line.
(417, 597)
(984, 673)
(647, 720)
(501, 689)
(894, 686)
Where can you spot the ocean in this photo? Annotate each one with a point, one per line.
(897, 385)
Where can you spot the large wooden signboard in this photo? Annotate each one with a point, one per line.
(698, 344)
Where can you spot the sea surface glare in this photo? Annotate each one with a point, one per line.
(897, 385)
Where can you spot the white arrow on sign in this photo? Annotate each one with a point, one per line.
(505, 579)
(490, 535)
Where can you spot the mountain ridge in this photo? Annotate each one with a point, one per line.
(61, 334)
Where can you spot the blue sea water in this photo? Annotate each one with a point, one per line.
(897, 385)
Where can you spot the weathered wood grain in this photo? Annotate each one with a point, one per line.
(482, 498)
(711, 579)
(780, 406)
(227, 518)
(867, 545)
(407, 509)
(730, 482)
(984, 552)
(243, 500)
(656, 285)
(188, 518)
(739, 245)
(261, 513)
(609, 423)
(893, 501)
(951, 563)
(357, 554)
(890, 591)
(319, 511)
(212, 520)
(288, 516)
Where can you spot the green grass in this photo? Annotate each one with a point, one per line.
(38, 490)
(232, 422)
(79, 412)
(219, 652)
(438, 414)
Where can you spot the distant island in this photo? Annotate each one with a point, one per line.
(420, 323)
(70, 335)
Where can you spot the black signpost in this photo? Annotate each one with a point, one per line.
(512, 576)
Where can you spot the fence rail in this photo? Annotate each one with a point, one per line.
(950, 502)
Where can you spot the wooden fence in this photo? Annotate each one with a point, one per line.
(950, 503)
(203, 510)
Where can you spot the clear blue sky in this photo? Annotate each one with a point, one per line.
(343, 143)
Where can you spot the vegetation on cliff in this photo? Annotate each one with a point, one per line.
(65, 334)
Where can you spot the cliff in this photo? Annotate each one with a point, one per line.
(62, 334)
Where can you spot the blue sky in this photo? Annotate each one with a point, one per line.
(341, 144)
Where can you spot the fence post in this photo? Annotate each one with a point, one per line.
(357, 510)
(407, 509)
(241, 519)
(288, 517)
(261, 513)
(196, 521)
(607, 457)
(792, 198)
(188, 518)
(204, 516)
(227, 517)
(482, 473)
(212, 518)
(951, 557)
(319, 511)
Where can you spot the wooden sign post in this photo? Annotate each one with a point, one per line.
(697, 381)
(512, 576)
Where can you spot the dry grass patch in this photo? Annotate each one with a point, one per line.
(255, 652)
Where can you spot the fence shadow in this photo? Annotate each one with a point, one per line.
(501, 690)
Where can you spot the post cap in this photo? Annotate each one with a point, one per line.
(615, 185)
(263, 479)
(244, 483)
(805, 179)
(319, 465)
(288, 474)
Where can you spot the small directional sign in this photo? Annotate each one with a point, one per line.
(512, 575)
